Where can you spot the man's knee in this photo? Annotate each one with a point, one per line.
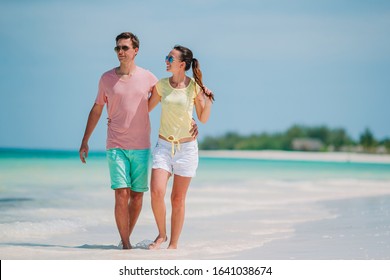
(122, 195)
(136, 197)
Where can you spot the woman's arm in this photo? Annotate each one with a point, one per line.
(203, 107)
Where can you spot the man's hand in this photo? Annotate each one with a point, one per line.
(83, 152)
(194, 129)
(93, 118)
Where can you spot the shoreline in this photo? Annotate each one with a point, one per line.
(297, 156)
(232, 154)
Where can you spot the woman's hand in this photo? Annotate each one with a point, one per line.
(208, 93)
(194, 129)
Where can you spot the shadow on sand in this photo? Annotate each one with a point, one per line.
(144, 244)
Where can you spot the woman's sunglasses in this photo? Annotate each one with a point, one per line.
(169, 58)
(124, 48)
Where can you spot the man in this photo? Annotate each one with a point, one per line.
(125, 90)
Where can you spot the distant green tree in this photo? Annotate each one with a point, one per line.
(227, 142)
(367, 140)
(319, 132)
(262, 141)
(386, 142)
(339, 138)
(210, 143)
(296, 131)
(336, 138)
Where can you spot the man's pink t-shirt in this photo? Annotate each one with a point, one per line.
(127, 107)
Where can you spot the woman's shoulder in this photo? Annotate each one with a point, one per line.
(194, 85)
(164, 80)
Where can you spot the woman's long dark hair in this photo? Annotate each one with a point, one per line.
(188, 58)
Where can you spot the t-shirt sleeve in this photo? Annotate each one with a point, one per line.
(197, 89)
(101, 97)
(151, 79)
(159, 87)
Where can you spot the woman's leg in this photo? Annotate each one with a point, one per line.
(178, 197)
(158, 186)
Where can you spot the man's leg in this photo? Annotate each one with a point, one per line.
(138, 179)
(134, 208)
(122, 197)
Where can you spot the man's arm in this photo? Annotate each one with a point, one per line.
(93, 119)
(154, 99)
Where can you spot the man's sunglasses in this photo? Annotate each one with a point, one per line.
(124, 48)
(169, 58)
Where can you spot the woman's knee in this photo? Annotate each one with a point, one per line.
(157, 192)
(177, 201)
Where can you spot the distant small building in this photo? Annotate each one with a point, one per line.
(307, 144)
(352, 149)
(381, 150)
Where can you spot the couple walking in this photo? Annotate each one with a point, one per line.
(130, 93)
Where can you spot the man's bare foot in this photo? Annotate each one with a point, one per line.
(128, 247)
(157, 242)
(124, 246)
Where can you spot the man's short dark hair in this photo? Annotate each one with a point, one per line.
(129, 35)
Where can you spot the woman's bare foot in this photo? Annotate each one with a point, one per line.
(172, 246)
(157, 242)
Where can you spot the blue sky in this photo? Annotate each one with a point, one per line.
(270, 63)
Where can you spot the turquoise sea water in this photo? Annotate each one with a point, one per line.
(210, 169)
(33, 171)
(48, 195)
(291, 170)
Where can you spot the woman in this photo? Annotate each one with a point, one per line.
(176, 151)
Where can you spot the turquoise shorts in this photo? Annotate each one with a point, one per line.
(129, 169)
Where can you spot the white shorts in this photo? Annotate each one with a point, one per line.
(183, 162)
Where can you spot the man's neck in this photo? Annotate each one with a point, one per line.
(126, 68)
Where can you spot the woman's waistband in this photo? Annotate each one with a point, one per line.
(176, 145)
(172, 139)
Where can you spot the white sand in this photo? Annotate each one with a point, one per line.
(296, 155)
